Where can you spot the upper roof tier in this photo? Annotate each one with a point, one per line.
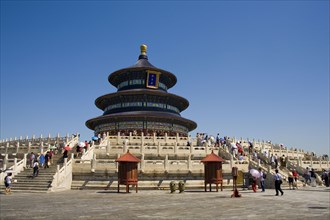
(142, 64)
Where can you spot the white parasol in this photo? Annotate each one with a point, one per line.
(255, 173)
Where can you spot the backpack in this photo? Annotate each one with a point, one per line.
(5, 180)
(264, 176)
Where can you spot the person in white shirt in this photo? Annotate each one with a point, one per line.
(8, 183)
(278, 182)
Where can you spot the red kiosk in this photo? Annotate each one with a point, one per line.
(213, 170)
(128, 170)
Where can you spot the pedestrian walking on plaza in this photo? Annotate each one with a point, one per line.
(295, 178)
(262, 179)
(313, 178)
(278, 182)
(8, 183)
(325, 178)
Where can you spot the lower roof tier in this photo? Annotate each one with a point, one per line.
(137, 122)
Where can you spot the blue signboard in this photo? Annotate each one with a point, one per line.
(152, 79)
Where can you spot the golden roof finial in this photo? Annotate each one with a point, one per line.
(143, 49)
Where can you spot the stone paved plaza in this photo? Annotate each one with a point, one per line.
(305, 203)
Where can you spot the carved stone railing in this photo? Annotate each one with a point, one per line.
(62, 179)
(15, 169)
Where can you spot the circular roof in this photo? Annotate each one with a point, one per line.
(103, 101)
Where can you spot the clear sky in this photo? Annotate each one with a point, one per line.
(251, 69)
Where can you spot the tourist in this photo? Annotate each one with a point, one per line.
(250, 147)
(295, 178)
(325, 178)
(278, 182)
(283, 161)
(65, 154)
(217, 142)
(276, 161)
(254, 184)
(307, 176)
(42, 160)
(7, 181)
(35, 168)
(32, 158)
(290, 179)
(272, 161)
(51, 153)
(262, 180)
(47, 162)
(313, 177)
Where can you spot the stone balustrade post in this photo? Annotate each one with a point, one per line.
(25, 160)
(33, 137)
(142, 164)
(166, 163)
(117, 163)
(166, 138)
(15, 164)
(7, 146)
(154, 138)
(142, 139)
(65, 165)
(206, 148)
(159, 148)
(125, 146)
(189, 163)
(191, 147)
(118, 138)
(108, 147)
(177, 137)
(5, 160)
(175, 148)
(72, 156)
(93, 163)
(58, 175)
(130, 137)
(42, 147)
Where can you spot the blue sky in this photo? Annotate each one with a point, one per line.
(251, 69)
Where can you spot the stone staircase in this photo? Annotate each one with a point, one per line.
(41, 183)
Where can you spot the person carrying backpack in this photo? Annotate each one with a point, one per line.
(35, 168)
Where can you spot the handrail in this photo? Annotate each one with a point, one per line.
(16, 168)
(62, 179)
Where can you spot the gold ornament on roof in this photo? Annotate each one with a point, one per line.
(143, 49)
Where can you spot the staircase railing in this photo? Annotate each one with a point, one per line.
(62, 179)
(15, 169)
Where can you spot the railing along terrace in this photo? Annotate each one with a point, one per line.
(34, 139)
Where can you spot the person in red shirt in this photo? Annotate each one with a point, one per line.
(295, 178)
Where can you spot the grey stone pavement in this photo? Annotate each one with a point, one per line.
(305, 203)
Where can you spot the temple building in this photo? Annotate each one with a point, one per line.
(142, 103)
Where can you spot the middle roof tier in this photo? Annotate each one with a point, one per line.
(141, 99)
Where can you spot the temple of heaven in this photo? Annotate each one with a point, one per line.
(142, 103)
